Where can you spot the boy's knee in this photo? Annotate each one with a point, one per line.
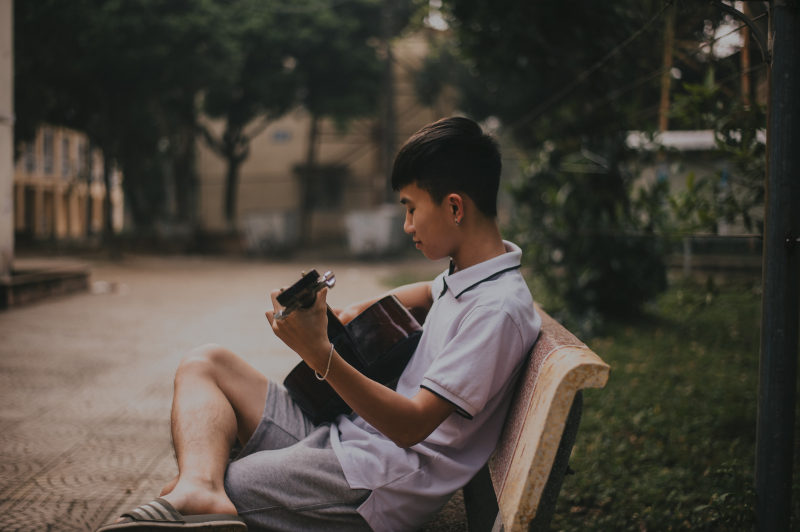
(203, 359)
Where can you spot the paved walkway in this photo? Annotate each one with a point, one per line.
(86, 379)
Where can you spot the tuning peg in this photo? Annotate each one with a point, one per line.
(328, 279)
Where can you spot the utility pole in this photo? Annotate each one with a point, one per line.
(744, 60)
(781, 276)
(666, 73)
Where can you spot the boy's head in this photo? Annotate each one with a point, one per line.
(451, 155)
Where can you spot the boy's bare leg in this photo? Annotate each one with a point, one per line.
(218, 397)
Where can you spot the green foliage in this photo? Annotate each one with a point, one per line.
(694, 207)
(261, 83)
(567, 93)
(535, 72)
(737, 193)
(669, 443)
(575, 214)
(593, 246)
(336, 51)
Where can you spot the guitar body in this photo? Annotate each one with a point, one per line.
(378, 342)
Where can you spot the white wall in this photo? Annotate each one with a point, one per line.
(6, 138)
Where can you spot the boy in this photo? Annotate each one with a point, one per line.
(399, 457)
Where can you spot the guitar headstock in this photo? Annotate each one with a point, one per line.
(302, 293)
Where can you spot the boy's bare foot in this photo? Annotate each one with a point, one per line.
(194, 498)
(169, 486)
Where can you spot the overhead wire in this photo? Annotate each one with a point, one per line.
(734, 30)
(584, 75)
(617, 93)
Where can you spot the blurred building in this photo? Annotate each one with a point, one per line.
(349, 185)
(59, 193)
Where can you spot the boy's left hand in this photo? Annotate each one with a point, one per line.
(304, 330)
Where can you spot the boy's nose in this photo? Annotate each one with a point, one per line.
(408, 227)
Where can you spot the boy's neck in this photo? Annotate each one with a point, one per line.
(481, 243)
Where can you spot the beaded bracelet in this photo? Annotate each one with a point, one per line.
(327, 369)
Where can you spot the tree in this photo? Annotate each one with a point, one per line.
(567, 81)
(342, 54)
(191, 51)
(322, 57)
(50, 72)
(552, 74)
(339, 76)
(262, 85)
(127, 74)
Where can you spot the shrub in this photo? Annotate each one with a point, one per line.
(586, 235)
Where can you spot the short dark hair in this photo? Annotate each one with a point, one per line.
(451, 155)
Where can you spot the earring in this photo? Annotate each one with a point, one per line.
(457, 221)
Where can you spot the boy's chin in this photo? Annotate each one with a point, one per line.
(432, 256)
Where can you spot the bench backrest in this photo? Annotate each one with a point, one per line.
(559, 367)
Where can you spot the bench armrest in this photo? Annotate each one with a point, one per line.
(564, 372)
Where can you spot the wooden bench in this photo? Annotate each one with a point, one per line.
(518, 488)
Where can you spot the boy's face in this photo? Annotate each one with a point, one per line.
(430, 224)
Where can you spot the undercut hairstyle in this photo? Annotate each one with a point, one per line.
(451, 155)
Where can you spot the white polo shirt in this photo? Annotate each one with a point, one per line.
(476, 336)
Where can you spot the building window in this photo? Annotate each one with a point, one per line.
(30, 157)
(65, 167)
(281, 136)
(323, 185)
(47, 151)
(80, 161)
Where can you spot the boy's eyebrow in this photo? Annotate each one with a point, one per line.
(404, 200)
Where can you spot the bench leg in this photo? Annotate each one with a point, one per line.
(480, 502)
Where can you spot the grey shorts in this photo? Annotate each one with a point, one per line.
(287, 477)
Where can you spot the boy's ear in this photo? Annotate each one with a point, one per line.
(456, 203)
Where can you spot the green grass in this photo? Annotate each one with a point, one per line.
(669, 443)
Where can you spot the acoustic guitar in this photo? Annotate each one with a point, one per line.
(378, 342)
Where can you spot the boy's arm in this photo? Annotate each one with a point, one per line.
(415, 295)
(406, 421)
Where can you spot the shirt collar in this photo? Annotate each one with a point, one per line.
(463, 280)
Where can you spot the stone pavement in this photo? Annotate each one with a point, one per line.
(86, 379)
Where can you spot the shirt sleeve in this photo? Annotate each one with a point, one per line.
(478, 361)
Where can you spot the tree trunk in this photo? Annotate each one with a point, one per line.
(666, 73)
(744, 59)
(231, 188)
(306, 176)
(388, 115)
(108, 219)
(109, 238)
(185, 178)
